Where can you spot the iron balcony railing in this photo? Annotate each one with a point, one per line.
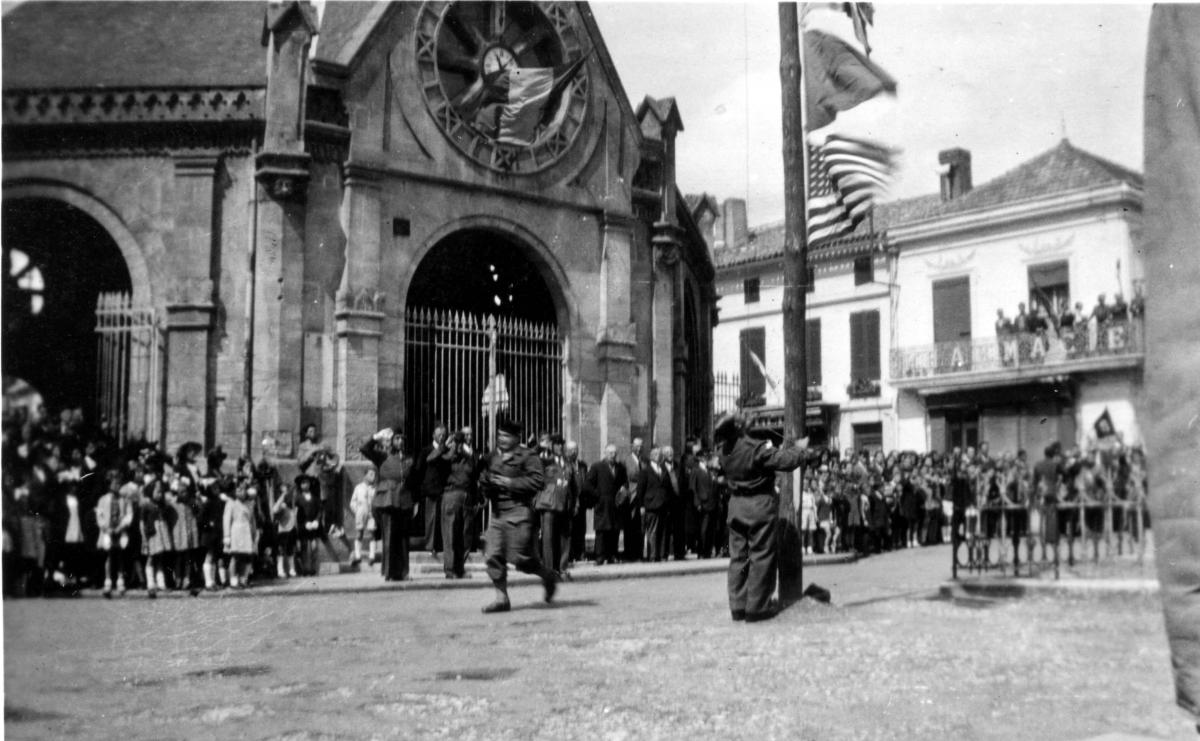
(1062, 350)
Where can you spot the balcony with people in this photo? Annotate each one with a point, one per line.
(1033, 344)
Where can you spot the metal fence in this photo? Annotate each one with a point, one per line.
(1014, 539)
(130, 351)
(727, 393)
(460, 368)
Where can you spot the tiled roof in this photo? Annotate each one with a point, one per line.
(169, 43)
(1061, 169)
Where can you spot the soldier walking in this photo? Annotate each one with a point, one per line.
(511, 480)
(750, 466)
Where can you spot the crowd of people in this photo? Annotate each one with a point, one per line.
(81, 511)
(1041, 320)
(872, 502)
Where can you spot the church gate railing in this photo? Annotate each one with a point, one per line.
(461, 369)
(130, 351)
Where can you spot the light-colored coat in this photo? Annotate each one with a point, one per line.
(241, 531)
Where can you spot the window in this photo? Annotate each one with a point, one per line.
(864, 270)
(26, 281)
(810, 279)
(812, 349)
(1050, 286)
(864, 346)
(753, 348)
(750, 290)
(952, 309)
(868, 437)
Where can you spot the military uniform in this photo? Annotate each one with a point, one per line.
(750, 466)
(510, 533)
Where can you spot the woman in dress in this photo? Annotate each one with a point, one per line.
(185, 498)
(240, 530)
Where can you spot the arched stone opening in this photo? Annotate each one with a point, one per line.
(58, 260)
(481, 330)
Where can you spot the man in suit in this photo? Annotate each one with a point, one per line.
(512, 478)
(457, 501)
(631, 513)
(601, 484)
(576, 472)
(433, 469)
(655, 492)
(702, 485)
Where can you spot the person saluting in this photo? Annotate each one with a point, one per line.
(511, 479)
(750, 466)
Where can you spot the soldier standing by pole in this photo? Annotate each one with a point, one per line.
(512, 478)
(750, 466)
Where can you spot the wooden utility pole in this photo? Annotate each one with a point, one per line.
(795, 270)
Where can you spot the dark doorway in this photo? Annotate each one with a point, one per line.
(480, 272)
(57, 261)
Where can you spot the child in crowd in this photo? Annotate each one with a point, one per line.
(157, 525)
(308, 524)
(284, 514)
(114, 518)
(364, 523)
(241, 534)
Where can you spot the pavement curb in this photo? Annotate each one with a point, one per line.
(326, 585)
(1017, 588)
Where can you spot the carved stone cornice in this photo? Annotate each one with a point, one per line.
(41, 107)
(142, 139)
(617, 343)
(196, 165)
(618, 222)
(190, 303)
(358, 176)
(358, 322)
(362, 300)
(284, 174)
(326, 142)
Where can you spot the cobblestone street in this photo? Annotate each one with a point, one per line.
(637, 658)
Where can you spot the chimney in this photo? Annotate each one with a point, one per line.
(733, 222)
(956, 179)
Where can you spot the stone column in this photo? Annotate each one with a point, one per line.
(282, 172)
(665, 393)
(359, 314)
(190, 305)
(615, 342)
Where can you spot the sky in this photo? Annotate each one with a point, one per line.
(1003, 81)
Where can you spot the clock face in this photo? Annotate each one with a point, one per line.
(465, 48)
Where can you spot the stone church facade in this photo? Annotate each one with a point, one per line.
(301, 209)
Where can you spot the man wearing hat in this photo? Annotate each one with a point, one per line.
(750, 466)
(511, 479)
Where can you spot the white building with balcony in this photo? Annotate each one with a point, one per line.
(920, 292)
(1058, 230)
(848, 315)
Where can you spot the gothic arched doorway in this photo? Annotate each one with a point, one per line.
(58, 261)
(481, 335)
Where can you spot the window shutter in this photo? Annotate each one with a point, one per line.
(812, 346)
(871, 338)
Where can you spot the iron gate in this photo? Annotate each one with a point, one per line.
(129, 357)
(461, 368)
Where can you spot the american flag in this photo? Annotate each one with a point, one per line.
(845, 178)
